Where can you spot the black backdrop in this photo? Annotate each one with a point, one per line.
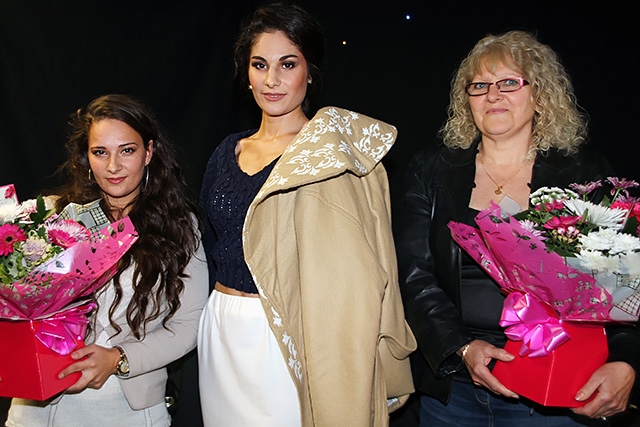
(176, 57)
(55, 56)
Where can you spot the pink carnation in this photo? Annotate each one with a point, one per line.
(562, 224)
(555, 205)
(632, 205)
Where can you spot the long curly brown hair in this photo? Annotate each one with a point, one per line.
(164, 214)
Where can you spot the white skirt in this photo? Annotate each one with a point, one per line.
(244, 381)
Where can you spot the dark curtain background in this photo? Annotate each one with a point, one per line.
(393, 62)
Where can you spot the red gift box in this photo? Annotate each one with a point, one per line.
(28, 368)
(554, 379)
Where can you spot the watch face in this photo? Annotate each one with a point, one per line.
(123, 365)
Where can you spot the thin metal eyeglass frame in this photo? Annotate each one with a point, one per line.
(522, 81)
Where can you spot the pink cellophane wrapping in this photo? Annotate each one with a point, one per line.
(519, 261)
(72, 274)
(544, 312)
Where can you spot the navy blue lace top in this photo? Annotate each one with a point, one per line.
(226, 202)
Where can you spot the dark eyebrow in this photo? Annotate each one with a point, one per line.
(102, 147)
(282, 58)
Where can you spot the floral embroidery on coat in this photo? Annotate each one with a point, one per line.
(331, 143)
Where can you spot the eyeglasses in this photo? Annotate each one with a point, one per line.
(504, 85)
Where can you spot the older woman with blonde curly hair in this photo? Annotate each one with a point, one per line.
(557, 120)
(513, 126)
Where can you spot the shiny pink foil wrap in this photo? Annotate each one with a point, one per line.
(62, 331)
(532, 322)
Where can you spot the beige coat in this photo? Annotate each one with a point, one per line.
(318, 242)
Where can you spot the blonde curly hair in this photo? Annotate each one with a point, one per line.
(557, 122)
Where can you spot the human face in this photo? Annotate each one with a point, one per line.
(117, 158)
(278, 74)
(502, 115)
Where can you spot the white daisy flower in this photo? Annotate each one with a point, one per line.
(597, 214)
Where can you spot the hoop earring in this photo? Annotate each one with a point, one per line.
(146, 177)
(90, 175)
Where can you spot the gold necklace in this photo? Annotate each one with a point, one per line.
(498, 190)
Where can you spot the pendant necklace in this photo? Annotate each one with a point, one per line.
(498, 190)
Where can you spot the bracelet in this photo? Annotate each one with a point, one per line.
(463, 353)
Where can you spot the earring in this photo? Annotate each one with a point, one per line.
(309, 80)
(146, 177)
(90, 174)
(250, 87)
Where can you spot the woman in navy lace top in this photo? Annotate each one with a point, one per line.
(248, 381)
(304, 325)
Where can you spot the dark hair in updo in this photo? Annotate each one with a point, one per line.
(299, 27)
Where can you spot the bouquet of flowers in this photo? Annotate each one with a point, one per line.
(568, 265)
(30, 235)
(579, 257)
(48, 261)
(597, 239)
(49, 264)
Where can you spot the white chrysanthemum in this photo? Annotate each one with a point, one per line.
(625, 243)
(597, 214)
(9, 212)
(597, 262)
(551, 194)
(601, 240)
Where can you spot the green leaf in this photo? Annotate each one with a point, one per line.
(521, 215)
(41, 213)
(631, 226)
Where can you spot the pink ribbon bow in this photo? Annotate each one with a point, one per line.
(62, 331)
(529, 321)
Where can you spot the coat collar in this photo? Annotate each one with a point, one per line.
(334, 141)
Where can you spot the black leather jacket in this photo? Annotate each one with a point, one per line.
(437, 190)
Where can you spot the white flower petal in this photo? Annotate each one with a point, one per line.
(597, 214)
